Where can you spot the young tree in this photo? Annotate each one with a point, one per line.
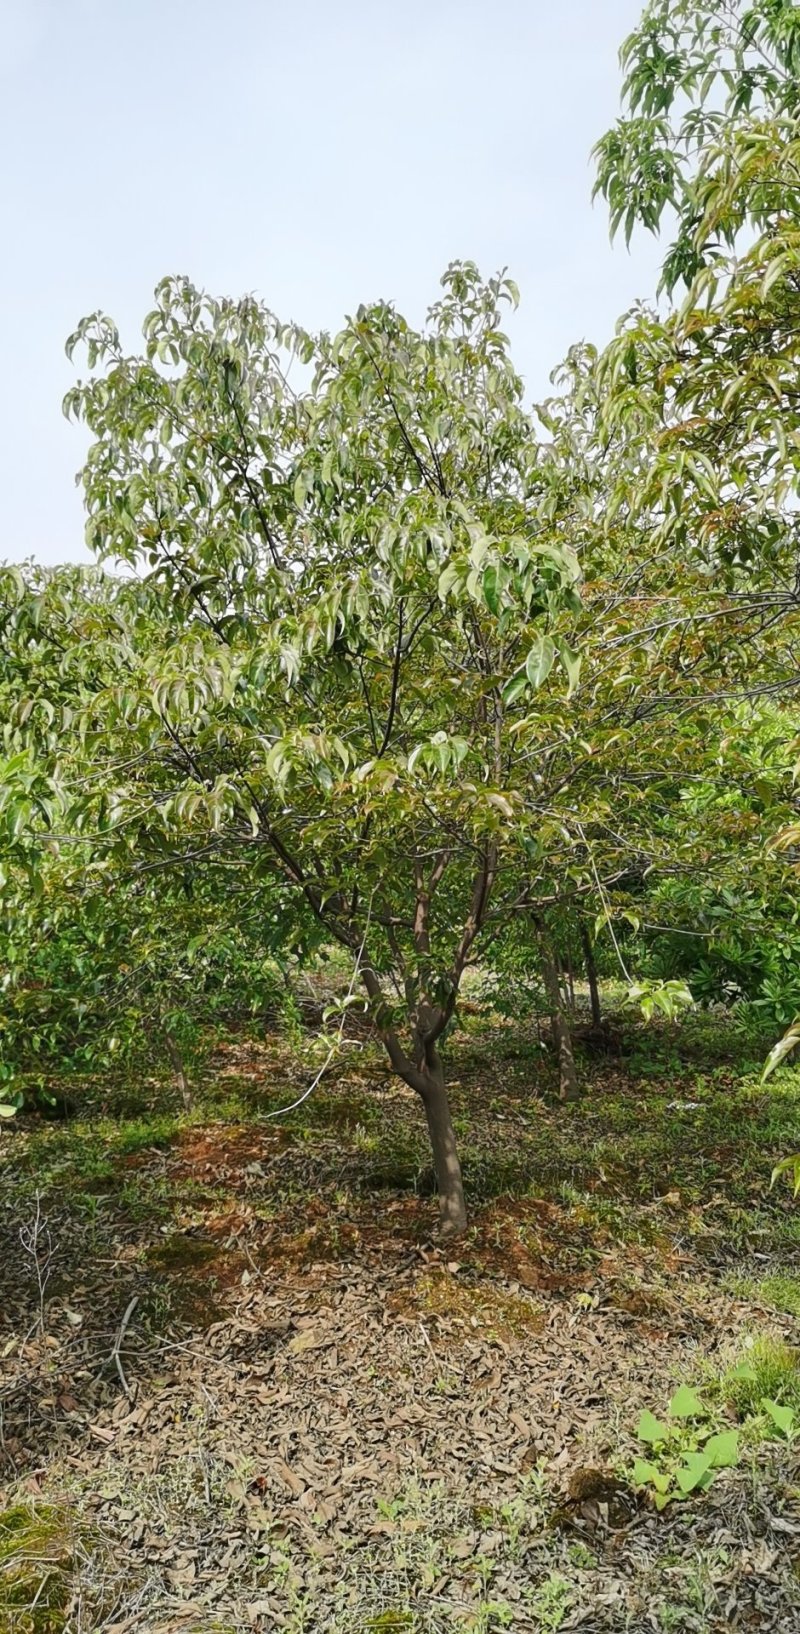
(351, 667)
(356, 589)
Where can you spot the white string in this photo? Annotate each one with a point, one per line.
(337, 1043)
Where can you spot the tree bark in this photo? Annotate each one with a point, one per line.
(433, 1093)
(562, 1036)
(566, 966)
(591, 977)
(424, 1074)
(176, 1062)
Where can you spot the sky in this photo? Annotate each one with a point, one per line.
(317, 154)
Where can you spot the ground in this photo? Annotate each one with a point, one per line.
(241, 1388)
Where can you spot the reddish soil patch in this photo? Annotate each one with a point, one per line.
(528, 1241)
(225, 1148)
(199, 1269)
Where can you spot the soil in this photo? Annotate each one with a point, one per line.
(316, 1418)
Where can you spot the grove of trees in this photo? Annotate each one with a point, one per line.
(377, 656)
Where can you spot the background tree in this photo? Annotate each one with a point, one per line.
(104, 967)
(713, 90)
(709, 392)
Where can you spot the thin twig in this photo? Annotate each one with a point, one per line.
(115, 1354)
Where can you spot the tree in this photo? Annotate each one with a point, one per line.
(560, 1028)
(352, 664)
(711, 98)
(356, 589)
(732, 931)
(340, 674)
(590, 966)
(712, 137)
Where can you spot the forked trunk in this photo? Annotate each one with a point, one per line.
(433, 1093)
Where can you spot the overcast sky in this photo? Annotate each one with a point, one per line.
(317, 153)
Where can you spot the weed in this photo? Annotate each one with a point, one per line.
(769, 1369)
(38, 1564)
(782, 1417)
(685, 1450)
(582, 1558)
(550, 1603)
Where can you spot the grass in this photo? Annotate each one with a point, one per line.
(767, 1367)
(779, 1289)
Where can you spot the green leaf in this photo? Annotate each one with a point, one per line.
(450, 576)
(514, 688)
(490, 588)
(789, 1165)
(696, 1472)
(540, 659)
(723, 1449)
(646, 1474)
(572, 664)
(686, 1404)
(781, 1415)
(651, 1429)
(779, 1052)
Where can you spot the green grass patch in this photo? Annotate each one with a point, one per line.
(780, 1290)
(38, 1565)
(769, 1369)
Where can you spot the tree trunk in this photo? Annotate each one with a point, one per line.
(425, 1075)
(562, 1037)
(591, 977)
(570, 978)
(176, 1062)
(452, 1209)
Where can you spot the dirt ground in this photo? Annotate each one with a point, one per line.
(241, 1388)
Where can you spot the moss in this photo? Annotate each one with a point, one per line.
(481, 1305)
(389, 1620)
(180, 1252)
(37, 1570)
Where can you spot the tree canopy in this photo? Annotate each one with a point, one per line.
(378, 655)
